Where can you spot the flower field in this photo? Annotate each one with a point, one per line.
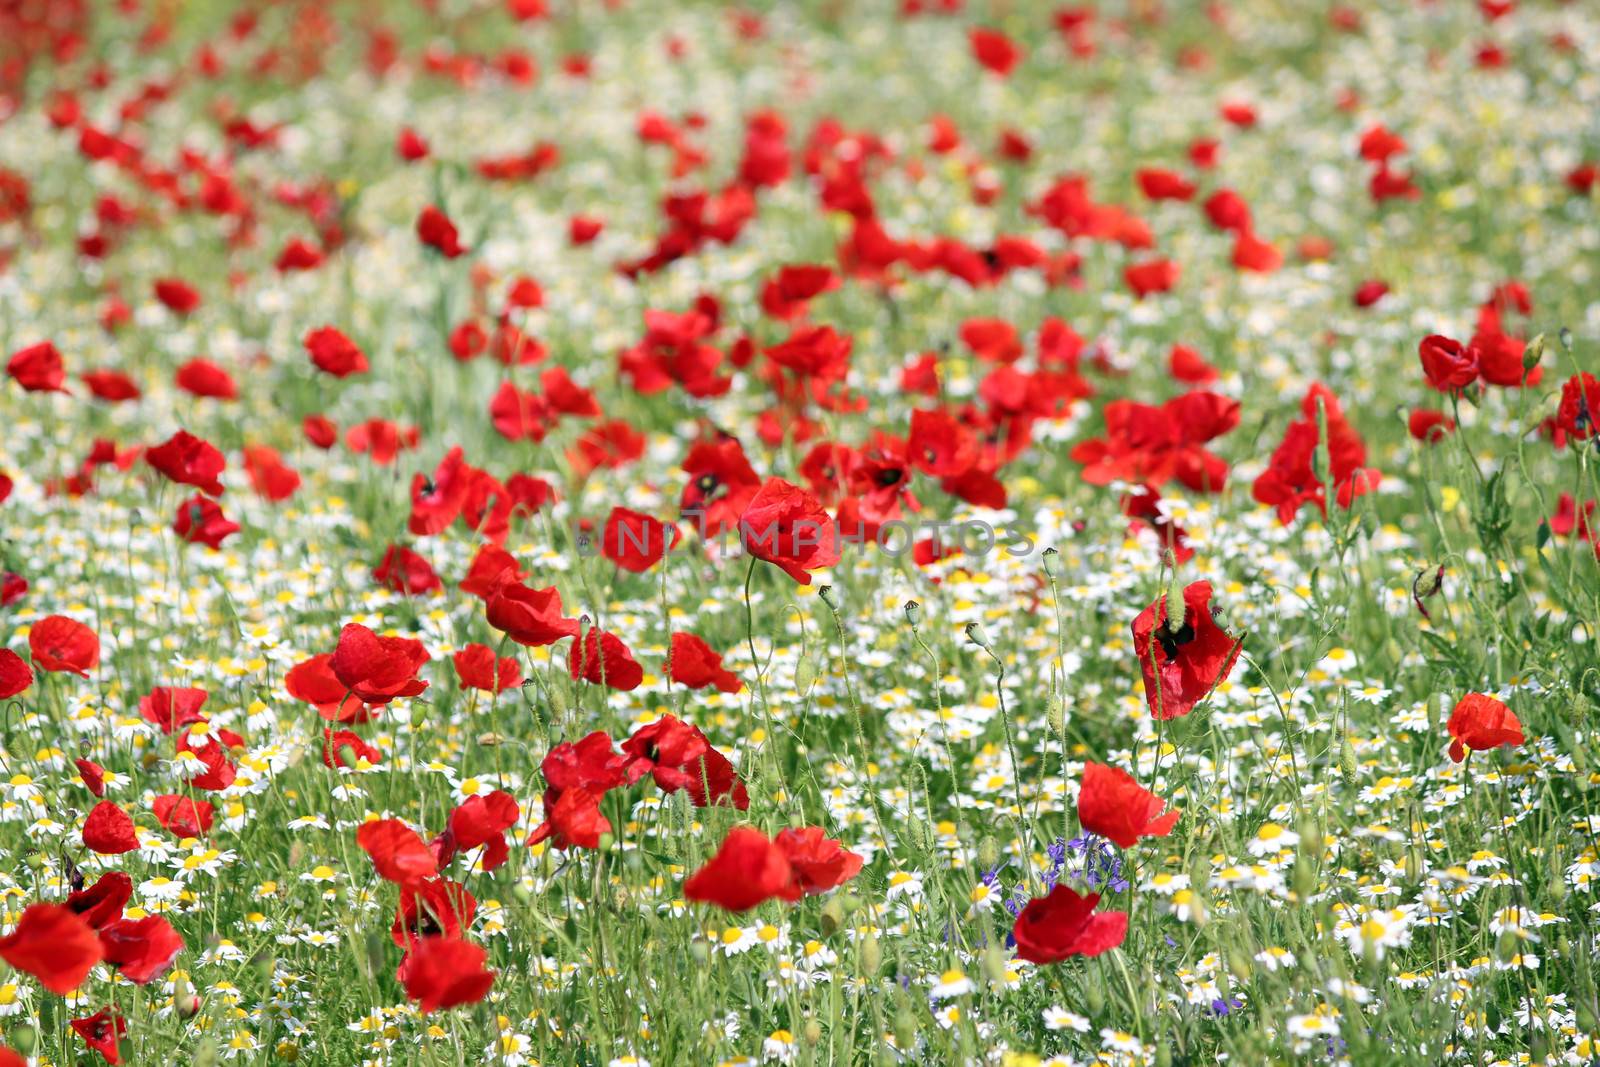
(633, 532)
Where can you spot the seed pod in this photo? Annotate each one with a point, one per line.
(913, 614)
(977, 636)
(1051, 561)
(825, 594)
(1177, 610)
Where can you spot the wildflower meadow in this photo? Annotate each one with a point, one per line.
(639, 533)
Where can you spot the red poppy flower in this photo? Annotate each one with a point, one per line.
(378, 669)
(436, 907)
(320, 431)
(678, 755)
(1290, 482)
(93, 775)
(38, 368)
(1425, 424)
(994, 50)
(787, 295)
(1151, 276)
(491, 568)
(818, 862)
(1159, 184)
(635, 541)
(1187, 365)
(55, 945)
(1228, 211)
(590, 763)
(398, 854)
(1153, 445)
(410, 146)
(142, 950)
(1446, 364)
(58, 643)
(269, 475)
(1063, 924)
(1113, 805)
(109, 831)
(1189, 658)
(572, 817)
(603, 659)
(529, 617)
(331, 351)
(183, 816)
(786, 526)
(695, 664)
(178, 295)
(406, 571)
(112, 386)
(202, 377)
(1481, 723)
(13, 586)
(381, 439)
(435, 230)
(345, 749)
(721, 485)
(1580, 399)
(297, 254)
(443, 972)
(188, 460)
(102, 902)
(314, 682)
(173, 707)
(483, 821)
(102, 1032)
(518, 415)
(15, 674)
(747, 870)
(477, 668)
(1369, 292)
(200, 521)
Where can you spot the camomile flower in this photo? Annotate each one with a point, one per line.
(1271, 839)
(951, 983)
(1058, 1018)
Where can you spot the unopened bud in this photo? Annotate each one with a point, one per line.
(988, 854)
(871, 956)
(994, 965)
(832, 917)
(1349, 769)
(23, 1039)
(811, 1032)
(1532, 353)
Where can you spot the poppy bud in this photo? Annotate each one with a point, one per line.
(1416, 865)
(805, 676)
(1322, 462)
(1177, 610)
(994, 965)
(1163, 1055)
(1305, 876)
(1239, 964)
(700, 953)
(1051, 562)
(988, 854)
(1531, 354)
(1057, 713)
(490, 740)
(832, 917)
(913, 614)
(560, 701)
(825, 593)
(1349, 770)
(905, 1029)
(976, 635)
(205, 1054)
(23, 1039)
(871, 956)
(1094, 999)
(1586, 1018)
(287, 1051)
(811, 1032)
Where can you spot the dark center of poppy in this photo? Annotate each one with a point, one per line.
(890, 476)
(1171, 639)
